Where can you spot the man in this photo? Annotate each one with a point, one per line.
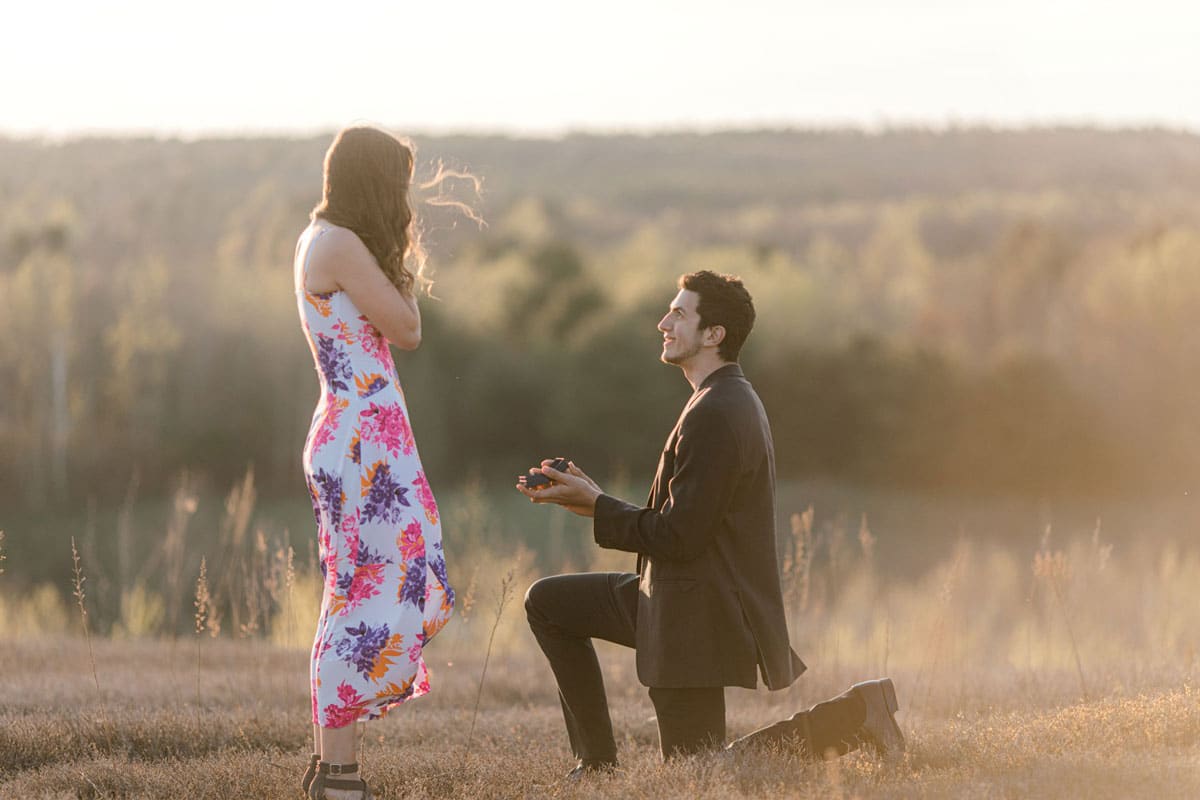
(705, 609)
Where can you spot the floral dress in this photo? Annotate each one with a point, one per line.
(380, 543)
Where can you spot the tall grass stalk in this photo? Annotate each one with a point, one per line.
(229, 592)
(183, 507)
(83, 615)
(463, 607)
(1053, 568)
(202, 604)
(506, 591)
(290, 580)
(933, 650)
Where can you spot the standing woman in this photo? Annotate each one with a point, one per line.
(358, 271)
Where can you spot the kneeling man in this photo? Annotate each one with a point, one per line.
(704, 609)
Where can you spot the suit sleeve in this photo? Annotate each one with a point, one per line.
(699, 495)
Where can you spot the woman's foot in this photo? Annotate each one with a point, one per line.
(338, 782)
(345, 794)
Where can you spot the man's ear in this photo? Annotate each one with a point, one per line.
(714, 335)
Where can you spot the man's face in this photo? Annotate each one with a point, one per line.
(681, 331)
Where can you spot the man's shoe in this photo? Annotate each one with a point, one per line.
(880, 728)
(589, 767)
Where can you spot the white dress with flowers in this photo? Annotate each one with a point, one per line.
(380, 542)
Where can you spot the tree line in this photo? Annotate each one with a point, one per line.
(965, 311)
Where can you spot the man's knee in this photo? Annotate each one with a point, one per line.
(535, 601)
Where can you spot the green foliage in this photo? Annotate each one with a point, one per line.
(973, 311)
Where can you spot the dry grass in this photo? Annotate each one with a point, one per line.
(146, 737)
(1062, 672)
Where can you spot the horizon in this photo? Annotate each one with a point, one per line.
(894, 127)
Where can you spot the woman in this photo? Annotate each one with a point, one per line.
(358, 270)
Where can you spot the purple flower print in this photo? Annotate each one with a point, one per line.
(356, 449)
(369, 384)
(362, 646)
(412, 584)
(366, 556)
(386, 425)
(334, 363)
(329, 496)
(383, 495)
(438, 566)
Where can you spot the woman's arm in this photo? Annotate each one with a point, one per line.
(347, 261)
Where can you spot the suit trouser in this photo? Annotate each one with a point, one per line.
(567, 611)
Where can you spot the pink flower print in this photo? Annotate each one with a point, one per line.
(364, 585)
(374, 344)
(344, 334)
(320, 648)
(350, 530)
(327, 555)
(425, 495)
(414, 652)
(386, 425)
(330, 421)
(363, 582)
(411, 542)
(351, 708)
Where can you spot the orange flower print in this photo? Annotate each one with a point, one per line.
(320, 302)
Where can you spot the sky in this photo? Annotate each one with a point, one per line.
(544, 68)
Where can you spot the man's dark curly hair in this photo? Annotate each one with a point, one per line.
(724, 301)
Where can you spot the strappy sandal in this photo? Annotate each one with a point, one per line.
(323, 780)
(311, 772)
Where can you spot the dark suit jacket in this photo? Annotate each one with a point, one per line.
(710, 608)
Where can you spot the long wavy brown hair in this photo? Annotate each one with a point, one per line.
(368, 188)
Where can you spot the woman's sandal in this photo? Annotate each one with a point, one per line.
(310, 772)
(323, 780)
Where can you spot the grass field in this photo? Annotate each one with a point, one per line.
(229, 719)
(1065, 668)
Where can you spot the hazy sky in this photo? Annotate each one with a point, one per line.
(536, 66)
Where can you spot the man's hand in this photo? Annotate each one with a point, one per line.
(573, 490)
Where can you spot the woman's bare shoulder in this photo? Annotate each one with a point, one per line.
(340, 244)
(339, 257)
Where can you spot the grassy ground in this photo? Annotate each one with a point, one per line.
(144, 734)
(1051, 666)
